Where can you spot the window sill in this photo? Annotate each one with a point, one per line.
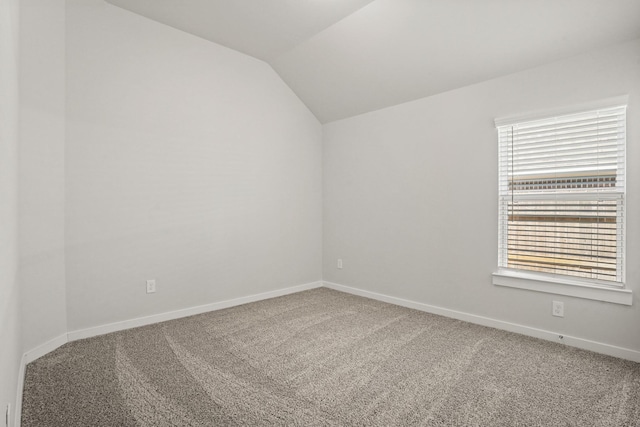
(561, 286)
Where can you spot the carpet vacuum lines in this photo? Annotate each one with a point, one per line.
(322, 357)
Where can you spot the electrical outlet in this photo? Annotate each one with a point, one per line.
(340, 263)
(151, 286)
(558, 309)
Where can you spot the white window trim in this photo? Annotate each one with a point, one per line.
(562, 286)
(552, 284)
(573, 109)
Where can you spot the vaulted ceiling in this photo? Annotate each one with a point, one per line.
(347, 57)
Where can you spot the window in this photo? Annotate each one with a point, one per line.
(562, 195)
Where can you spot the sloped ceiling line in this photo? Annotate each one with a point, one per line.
(348, 57)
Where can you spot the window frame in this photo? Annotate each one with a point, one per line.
(600, 290)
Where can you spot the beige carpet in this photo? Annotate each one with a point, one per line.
(320, 358)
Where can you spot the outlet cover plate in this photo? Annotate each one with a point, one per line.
(151, 286)
(558, 309)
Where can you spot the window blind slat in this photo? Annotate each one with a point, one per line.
(584, 146)
(561, 185)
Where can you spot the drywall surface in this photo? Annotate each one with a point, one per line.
(41, 174)
(187, 163)
(410, 196)
(10, 329)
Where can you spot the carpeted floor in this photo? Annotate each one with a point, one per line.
(323, 357)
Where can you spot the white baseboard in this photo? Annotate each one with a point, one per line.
(597, 347)
(31, 355)
(171, 315)
(27, 358)
(51, 345)
(17, 409)
(45, 348)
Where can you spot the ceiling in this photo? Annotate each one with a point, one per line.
(264, 29)
(347, 57)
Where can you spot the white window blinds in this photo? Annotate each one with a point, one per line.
(562, 189)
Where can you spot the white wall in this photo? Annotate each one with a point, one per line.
(10, 330)
(41, 175)
(187, 163)
(410, 196)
